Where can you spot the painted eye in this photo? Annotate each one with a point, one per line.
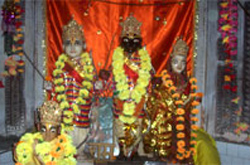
(125, 40)
(77, 42)
(136, 40)
(43, 130)
(67, 42)
(53, 130)
(174, 61)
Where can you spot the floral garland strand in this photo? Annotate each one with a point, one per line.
(19, 34)
(228, 24)
(134, 96)
(83, 93)
(58, 151)
(182, 150)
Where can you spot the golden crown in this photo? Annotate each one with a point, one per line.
(50, 112)
(72, 30)
(180, 48)
(131, 27)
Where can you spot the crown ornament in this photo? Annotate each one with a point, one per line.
(72, 31)
(180, 48)
(131, 27)
(50, 112)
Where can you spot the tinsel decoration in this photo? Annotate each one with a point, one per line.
(228, 24)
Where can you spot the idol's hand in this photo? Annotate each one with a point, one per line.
(47, 85)
(104, 74)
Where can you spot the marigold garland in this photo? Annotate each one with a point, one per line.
(58, 151)
(87, 74)
(182, 150)
(124, 91)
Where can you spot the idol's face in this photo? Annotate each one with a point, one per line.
(73, 48)
(131, 45)
(49, 131)
(178, 63)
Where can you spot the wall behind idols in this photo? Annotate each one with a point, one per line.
(2, 98)
(33, 91)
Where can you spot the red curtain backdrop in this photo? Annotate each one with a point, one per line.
(162, 23)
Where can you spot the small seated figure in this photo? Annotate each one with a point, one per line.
(48, 146)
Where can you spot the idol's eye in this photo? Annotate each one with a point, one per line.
(77, 42)
(136, 40)
(125, 40)
(67, 42)
(53, 130)
(43, 129)
(174, 61)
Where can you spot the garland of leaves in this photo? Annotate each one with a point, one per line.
(87, 74)
(182, 150)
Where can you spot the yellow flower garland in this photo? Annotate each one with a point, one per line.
(83, 93)
(58, 151)
(122, 86)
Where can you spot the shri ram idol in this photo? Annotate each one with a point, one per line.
(48, 146)
(73, 79)
(131, 74)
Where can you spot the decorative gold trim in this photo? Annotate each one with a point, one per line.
(196, 27)
(45, 43)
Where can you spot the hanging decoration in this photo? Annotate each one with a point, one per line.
(228, 24)
(12, 22)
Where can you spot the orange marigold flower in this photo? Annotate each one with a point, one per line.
(193, 134)
(168, 83)
(18, 163)
(180, 118)
(199, 94)
(165, 78)
(180, 143)
(181, 150)
(51, 163)
(164, 72)
(187, 154)
(194, 127)
(194, 119)
(195, 103)
(180, 111)
(176, 95)
(54, 154)
(180, 135)
(180, 127)
(179, 157)
(194, 87)
(193, 94)
(62, 138)
(179, 102)
(172, 89)
(193, 142)
(193, 80)
(193, 150)
(195, 111)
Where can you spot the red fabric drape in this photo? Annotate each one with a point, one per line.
(161, 25)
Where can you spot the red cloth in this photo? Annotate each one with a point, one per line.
(161, 25)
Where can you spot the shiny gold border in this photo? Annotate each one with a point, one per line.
(196, 27)
(44, 44)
